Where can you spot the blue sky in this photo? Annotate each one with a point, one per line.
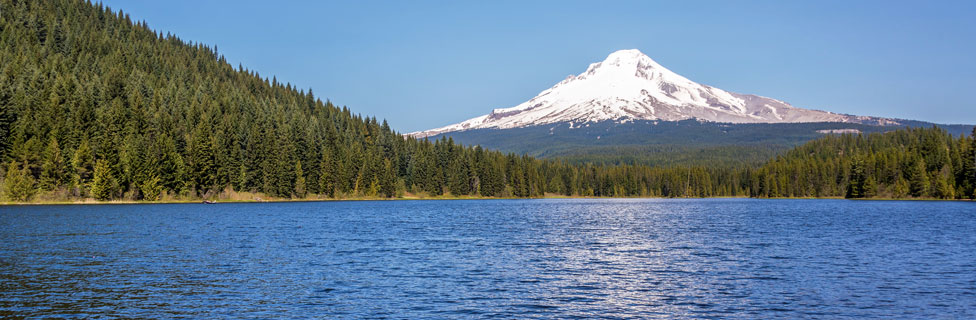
(425, 64)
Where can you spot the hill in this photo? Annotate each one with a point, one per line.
(910, 163)
(94, 105)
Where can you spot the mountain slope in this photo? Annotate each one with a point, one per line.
(629, 86)
(666, 143)
(94, 105)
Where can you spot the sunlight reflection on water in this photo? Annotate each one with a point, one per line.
(727, 258)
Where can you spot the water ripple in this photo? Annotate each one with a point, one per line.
(567, 259)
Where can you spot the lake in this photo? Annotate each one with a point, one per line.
(554, 258)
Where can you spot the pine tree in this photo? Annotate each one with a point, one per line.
(18, 183)
(299, 180)
(490, 179)
(202, 161)
(870, 187)
(458, 176)
(918, 180)
(104, 185)
(329, 173)
(6, 119)
(151, 188)
(900, 189)
(365, 177)
(517, 177)
(53, 170)
(388, 181)
(83, 162)
(941, 187)
(172, 168)
(856, 186)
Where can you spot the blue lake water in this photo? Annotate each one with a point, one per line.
(580, 258)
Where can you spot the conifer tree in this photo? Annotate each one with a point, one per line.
(458, 176)
(172, 168)
(6, 119)
(203, 167)
(83, 162)
(870, 187)
(299, 180)
(151, 188)
(857, 180)
(900, 189)
(18, 183)
(53, 171)
(103, 185)
(918, 180)
(328, 174)
(941, 187)
(388, 181)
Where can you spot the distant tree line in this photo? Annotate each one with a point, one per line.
(93, 105)
(667, 143)
(916, 162)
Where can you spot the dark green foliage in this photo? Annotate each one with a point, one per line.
(5, 121)
(203, 161)
(300, 187)
(18, 183)
(857, 180)
(83, 163)
(103, 107)
(388, 180)
(664, 143)
(915, 162)
(54, 170)
(328, 174)
(151, 188)
(918, 179)
(968, 169)
(104, 186)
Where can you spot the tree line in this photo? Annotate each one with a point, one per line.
(94, 105)
(909, 163)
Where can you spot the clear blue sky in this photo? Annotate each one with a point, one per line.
(425, 64)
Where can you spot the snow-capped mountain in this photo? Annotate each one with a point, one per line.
(628, 86)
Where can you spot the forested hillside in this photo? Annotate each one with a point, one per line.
(916, 163)
(96, 106)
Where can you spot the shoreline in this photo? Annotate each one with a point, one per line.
(414, 198)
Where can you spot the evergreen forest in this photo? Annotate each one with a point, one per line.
(95, 106)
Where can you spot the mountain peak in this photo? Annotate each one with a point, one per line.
(628, 59)
(629, 85)
(627, 55)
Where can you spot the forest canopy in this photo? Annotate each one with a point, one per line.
(96, 106)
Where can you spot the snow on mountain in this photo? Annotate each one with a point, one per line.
(629, 85)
